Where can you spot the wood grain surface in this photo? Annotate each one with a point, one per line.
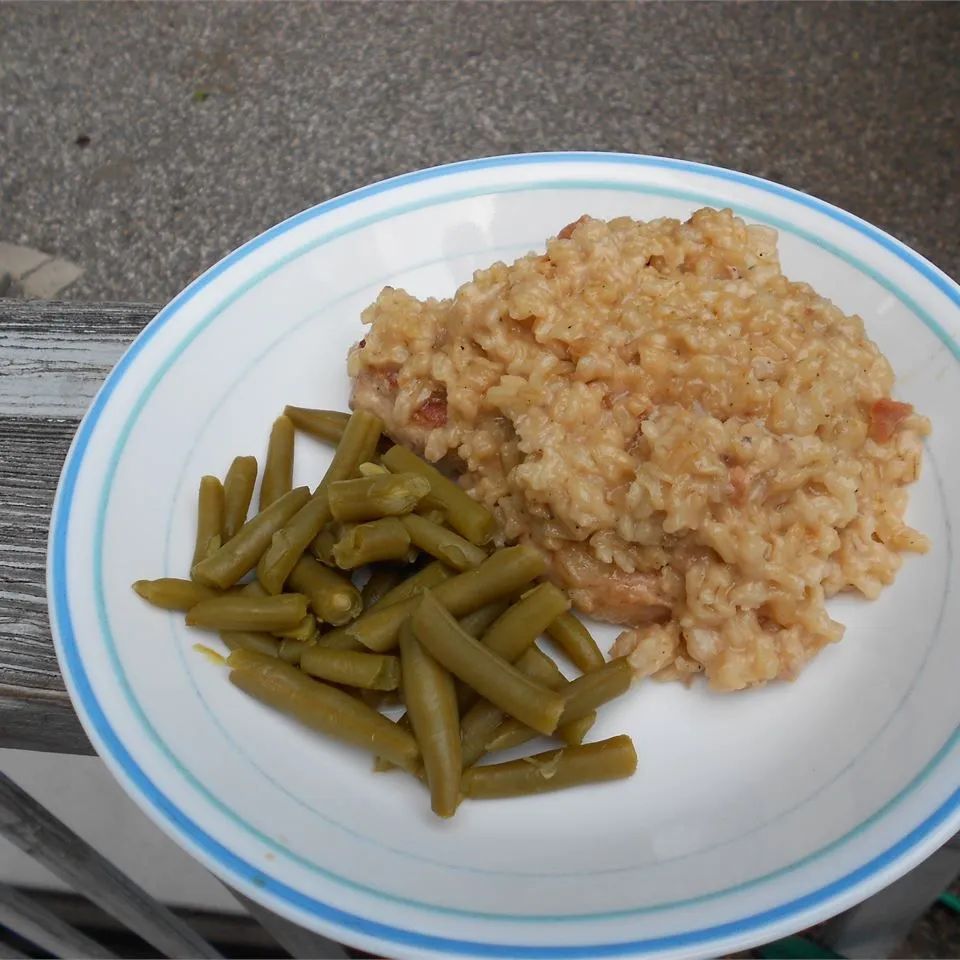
(53, 358)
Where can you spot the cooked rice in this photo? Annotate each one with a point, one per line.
(704, 450)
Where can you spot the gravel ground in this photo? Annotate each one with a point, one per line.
(143, 142)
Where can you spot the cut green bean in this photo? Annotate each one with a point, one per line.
(500, 575)
(432, 708)
(384, 539)
(517, 628)
(333, 598)
(326, 425)
(291, 649)
(238, 487)
(491, 676)
(512, 733)
(581, 697)
(575, 641)
(248, 640)
(369, 469)
(370, 671)
(209, 519)
(513, 632)
(594, 689)
(455, 551)
(238, 612)
(483, 721)
(240, 554)
(339, 639)
(368, 498)
(381, 581)
(538, 666)
(477, 728)
(575, 732)
(612, 759)
(359, 442)
(477, 622)
(343, 639)
(380, 699)
(306, 629)
(252, 589)
(321, 707)
(469, 518)
(432, 575)
(169, 593)
(278, 468)
(322, 545)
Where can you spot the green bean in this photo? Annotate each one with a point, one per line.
(291, 649)
(278, 469)
(382, 580)
(169, 593)
(306, 629)
(321, 706)
(511, 733)
(239, 555)
(500, 575)
(475, 623)
(333, 598)
(367, 498)
(479, 725)
(476, 665)
(469, 518)
(384, 539)
(517, 628)
(359, 442)
(411, 588)
(538, 666)
(575, 641)
(250, 640)
(209, 519)
(322, 545)
(478, 621)
(380, 699)
(326, 425)
(238, 612)
(432, 575)
(444, 544)
(483, 720)
(339, 639)
(481, 732)
(594, 689)
(432, 707)
(369, 469)
(371, 671)
(575, 732)
(581, 698)
(612, 759)
(514, 630)
(238, 487)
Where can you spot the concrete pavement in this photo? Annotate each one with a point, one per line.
(143, 142)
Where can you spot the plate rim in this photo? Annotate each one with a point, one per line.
(888, 862)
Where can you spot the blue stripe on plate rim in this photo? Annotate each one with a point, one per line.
(112, 748)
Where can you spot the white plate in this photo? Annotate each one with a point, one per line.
(752, 814)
